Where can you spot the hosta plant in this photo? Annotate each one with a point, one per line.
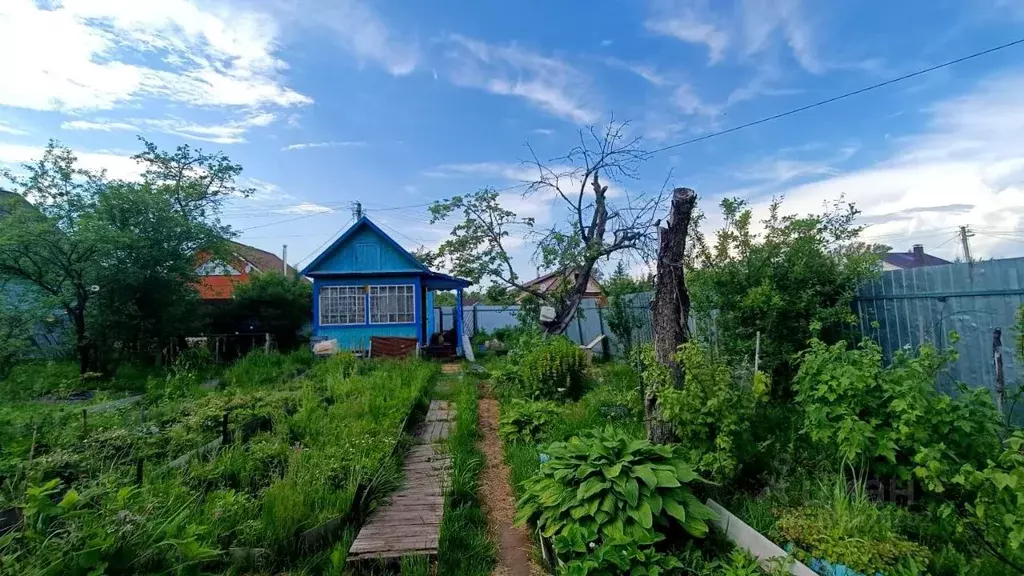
(607, 486)
(523, 422)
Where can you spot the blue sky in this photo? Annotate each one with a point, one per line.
(396, 104)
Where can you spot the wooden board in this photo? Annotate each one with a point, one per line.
(745, 537)
(409, 524)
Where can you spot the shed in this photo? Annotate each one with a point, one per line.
(366, 285)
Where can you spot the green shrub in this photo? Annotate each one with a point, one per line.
(613, 559)
(892, 418)
(524, 422)
(606, 487)
(711, 415)
(996, 504)
(555, 369)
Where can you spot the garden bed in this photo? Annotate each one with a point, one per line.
(318, 462)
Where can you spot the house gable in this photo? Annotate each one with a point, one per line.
(363, 249)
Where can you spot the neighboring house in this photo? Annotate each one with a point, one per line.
(551, 282)
(915, 258)
(217, 278)
(366, 285)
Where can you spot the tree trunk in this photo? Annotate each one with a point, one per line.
(670, 309)
(82, 347)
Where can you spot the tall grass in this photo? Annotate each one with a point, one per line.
(464, 546)
(258, 368)
(326, 456)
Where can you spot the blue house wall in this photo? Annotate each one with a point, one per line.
(365, 251)
(357, 336)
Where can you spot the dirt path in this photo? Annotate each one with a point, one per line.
(498, 500)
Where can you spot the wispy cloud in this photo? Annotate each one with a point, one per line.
(543, 131)
(305, 208)
(688, 26)
(116, 165)
(227, 133)
(366, 35)
(510, 70)
(331, 144)
(645, 71)
(6, 128)
(99, 126)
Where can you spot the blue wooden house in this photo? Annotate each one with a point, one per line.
(365, 285)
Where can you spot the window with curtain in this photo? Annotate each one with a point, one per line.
(341, 305)
(392, 304)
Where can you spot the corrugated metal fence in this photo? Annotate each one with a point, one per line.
(905, 308)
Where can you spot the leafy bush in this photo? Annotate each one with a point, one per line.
(997, 503)
(847, 528)
(711, 415)
(605, 487)
(524, 422)
(892, 418)
(555, 369)
(617, 558)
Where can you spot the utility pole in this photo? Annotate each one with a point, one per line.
(357, 209)
(284, 259)
(965, 233)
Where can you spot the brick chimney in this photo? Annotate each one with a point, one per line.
(919, 253)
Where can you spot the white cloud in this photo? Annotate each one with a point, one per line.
(751, 26)
(6, 128)
(645, 71)
(228, 133)
(101, 126)
(332, 144)
(265, 191)
(116, 165)
(688, 26)
(543, 131)
(71, 58)
(305, 208)
(510, 70)
(967, 168)
(687, 101)
(764, 18)
(363, 33)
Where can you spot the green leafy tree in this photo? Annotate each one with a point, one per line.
(623, 318)
(278, 304)
(116, 256)
(795, 271)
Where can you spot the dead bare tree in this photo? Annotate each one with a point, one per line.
(595, 223)
(671, 309)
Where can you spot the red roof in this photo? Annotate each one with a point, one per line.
(222, 287)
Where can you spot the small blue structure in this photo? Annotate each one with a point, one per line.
(365, 284)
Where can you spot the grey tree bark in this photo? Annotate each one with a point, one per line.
(670, 309)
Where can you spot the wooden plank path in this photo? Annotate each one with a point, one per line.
(410, 523)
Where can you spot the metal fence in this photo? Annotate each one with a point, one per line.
(590, 321)
(906, 308)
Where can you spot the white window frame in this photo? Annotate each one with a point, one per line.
(402, 297)
(347, 295)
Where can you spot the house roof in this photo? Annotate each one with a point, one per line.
(913, 259)
(263, 261)
(546, 282)
(433, 280)
(363, 222)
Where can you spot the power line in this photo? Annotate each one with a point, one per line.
(287, 220)
(420, 242)
(320, 247)
(841, 96)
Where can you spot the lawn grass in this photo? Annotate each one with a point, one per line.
(465, 548)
